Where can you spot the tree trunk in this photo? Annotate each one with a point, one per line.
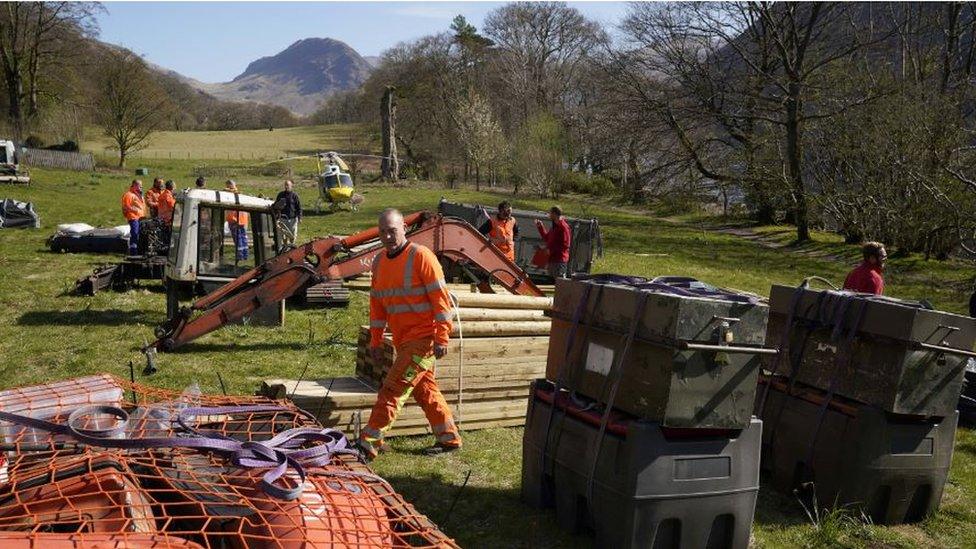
(15, 89)
(389, 166)
(122, 157)
(794, 162)
(477, 177)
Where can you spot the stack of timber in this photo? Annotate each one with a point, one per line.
(362, 283)
(485, 376)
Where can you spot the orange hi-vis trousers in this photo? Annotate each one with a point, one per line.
(412, 374)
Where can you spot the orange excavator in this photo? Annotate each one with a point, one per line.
(334, 258)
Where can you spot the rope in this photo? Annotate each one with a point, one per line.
(455, 303)
(282, 452)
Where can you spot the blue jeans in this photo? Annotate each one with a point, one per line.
(239, 232)
(134, 237)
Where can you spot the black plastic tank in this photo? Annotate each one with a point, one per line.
(652, 486)
(891, 467)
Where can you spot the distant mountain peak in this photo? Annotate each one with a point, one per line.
(298, 77)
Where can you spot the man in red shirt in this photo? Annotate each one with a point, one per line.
(866, 278)
(558, 239)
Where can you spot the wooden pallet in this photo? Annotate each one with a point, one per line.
(344, 403)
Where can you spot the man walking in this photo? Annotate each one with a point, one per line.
(409, 296)
(866, 278)
(290, 207)
(133, 209)
(502, 230)
(237, 222)
(558, 240)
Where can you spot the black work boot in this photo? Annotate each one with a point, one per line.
(439, 449)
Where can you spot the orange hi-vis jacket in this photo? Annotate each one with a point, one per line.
(502, 235)
(133, 206)
(409, 295)
(152, 197)
(237, 217)
(166, 205)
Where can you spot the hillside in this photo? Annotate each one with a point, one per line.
(298, 78)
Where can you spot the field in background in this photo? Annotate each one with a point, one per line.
(46, 334)
(234, 145)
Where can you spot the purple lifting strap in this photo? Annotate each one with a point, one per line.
(281, 452)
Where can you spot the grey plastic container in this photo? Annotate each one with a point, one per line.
(649, 491)
(893, 468)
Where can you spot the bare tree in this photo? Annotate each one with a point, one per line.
(35, 39)
(129, 105)
(742, 78)
(540, 47)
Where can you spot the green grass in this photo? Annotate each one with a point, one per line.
(233, 145)
(47, 335)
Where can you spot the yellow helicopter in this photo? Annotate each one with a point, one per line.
(335, 184)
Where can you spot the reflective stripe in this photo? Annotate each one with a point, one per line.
(408, 308)
(408, 292)
(448, 437)
(408, 269)
(436, 285)
(377, 324)
(441, 428)
(443, 317)
(371, 434)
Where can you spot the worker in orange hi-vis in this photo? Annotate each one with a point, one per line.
(133, 209)
(166, 204)
(152, 197)
(409, 297)
(237, 222)
(502, 230)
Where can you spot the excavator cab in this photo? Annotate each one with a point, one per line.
(205, 252)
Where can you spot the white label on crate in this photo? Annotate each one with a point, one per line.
(599, 358)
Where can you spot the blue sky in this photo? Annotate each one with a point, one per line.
(214, 41)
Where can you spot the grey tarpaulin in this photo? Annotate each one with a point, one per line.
(14, 214)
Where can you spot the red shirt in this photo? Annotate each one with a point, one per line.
(557, 240)
(866, 279)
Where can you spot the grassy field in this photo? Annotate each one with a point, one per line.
(236, 145)
(45, 335)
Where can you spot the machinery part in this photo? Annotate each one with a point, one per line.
(320, 260)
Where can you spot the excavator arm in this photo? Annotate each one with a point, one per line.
(329, 259)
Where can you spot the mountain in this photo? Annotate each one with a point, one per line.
(298, 78)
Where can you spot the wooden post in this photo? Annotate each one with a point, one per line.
(389, 166)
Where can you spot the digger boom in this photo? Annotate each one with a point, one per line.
(331, 258)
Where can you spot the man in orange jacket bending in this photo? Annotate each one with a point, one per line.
(409, 297)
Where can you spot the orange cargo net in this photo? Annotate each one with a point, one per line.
(56, 492)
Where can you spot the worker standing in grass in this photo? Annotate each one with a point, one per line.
(502, 230)
(867, 277)
(152, 197)
(166, 204)
(558, 239)
(290, 207)
(409, 296)
(133, 209)
(237, 222)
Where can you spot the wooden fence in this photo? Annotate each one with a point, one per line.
(58, 159)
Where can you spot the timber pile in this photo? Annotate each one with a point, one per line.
(485, 377)
(362, 283)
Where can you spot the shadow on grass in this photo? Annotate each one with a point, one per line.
(107, 317)
(483, 517)
(243, 347)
